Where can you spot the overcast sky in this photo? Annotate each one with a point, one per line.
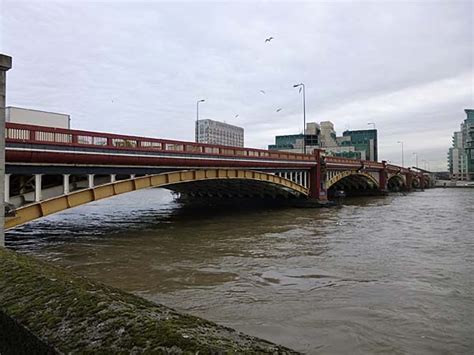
(139, 67)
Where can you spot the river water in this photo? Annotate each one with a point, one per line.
(391, 274)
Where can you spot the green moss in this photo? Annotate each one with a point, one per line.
(72, 314)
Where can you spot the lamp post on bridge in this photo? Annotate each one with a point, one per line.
(427, 165)
(197, 118)
(416, 159)
(301, 85)
(403, 154)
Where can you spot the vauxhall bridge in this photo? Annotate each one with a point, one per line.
(49, 170)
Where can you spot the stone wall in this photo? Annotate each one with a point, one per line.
(45, 308)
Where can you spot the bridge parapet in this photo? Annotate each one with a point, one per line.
(20, 133)
(353, 162)
(397, 169)
(57, 154)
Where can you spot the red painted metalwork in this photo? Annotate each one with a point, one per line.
(20, 133)
(337, 161)
(315, 178)
(125, 150)
(383, 176)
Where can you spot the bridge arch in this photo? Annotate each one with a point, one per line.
(187, 181)
(396, 183)
(416, 182)
(352, 180)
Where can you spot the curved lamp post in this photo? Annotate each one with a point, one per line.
(416, 159)
(197, 117)
(403, 155)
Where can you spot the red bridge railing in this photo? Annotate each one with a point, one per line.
(21, 133)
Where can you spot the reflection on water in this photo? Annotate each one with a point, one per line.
(385, 274)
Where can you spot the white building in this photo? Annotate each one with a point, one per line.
(457, 157)
(37, 118)
(219, 133)
(328, 135)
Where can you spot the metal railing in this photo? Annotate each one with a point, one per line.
(21, 133)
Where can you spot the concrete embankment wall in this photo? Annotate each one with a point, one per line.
(44, 309)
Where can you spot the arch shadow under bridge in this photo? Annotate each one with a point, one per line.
(352, 182)
(195, 183)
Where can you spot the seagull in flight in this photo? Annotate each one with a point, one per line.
(262, 91)
(268, 39)
(236, 116)
(278, 109)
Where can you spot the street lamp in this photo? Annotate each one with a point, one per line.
(301, 85)
(403, 157)
(197, 117)
(371, 123)
(416, 159)
(427, 165)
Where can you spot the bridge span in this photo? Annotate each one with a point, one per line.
(51, 169)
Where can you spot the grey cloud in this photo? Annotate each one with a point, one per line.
(361, 62)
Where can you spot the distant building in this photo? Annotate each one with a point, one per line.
(294, 142)
(219, 133)
(328, 135)
(37, 118)
(461, 154)
(364, 141)
(353, 144)
(468, 137)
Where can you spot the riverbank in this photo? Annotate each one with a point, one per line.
(455, 184)
(44, 309)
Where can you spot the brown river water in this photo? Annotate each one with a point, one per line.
(391, 274)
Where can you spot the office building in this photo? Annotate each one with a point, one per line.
(294, 142)
(461, 154)
(219, 133)
(328, 135)
(353, 144)
(37, 117)
(364, 141)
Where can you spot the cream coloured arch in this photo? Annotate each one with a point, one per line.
(337, 177)
(47, 207)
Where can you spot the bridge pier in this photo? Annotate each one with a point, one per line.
(317, 188)
(409, 181)
(422, 182)
(383, 177)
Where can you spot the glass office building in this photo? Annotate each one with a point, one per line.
(364, 141)
(461, 154)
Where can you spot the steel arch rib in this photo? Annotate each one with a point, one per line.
(345, 174)
(60, 203)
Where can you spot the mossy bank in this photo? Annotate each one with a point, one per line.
(44, 309)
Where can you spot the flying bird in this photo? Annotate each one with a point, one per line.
(236, 116)
(268, 39)
(262, 91)
(278, 109)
